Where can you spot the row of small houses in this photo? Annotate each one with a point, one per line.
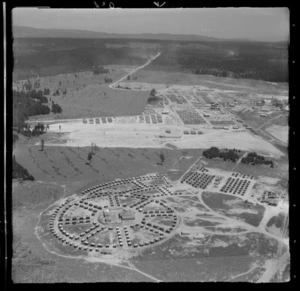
(94, 208)
(155, 228)
(85, 205)
(270, 198)
(62, 206)
(197, 180)
(200, 168)
(240, 175)
(236, 186)
(97, 193)
(136, 193)
(65, 237)
(125, 181)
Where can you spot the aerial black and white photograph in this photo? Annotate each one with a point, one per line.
(150, 145)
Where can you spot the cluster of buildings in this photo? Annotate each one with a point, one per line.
(269, 197)
(110, 218)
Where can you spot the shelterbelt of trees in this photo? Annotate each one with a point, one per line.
(214, 152)
(233, 155)
(255, 159)
(31, 103)
(100, 70)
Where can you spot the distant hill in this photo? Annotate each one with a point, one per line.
(47, 52)
(30, 32)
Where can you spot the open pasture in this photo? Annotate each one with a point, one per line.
(234, 207)
(181, 78)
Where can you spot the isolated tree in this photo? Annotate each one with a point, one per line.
(42, 127)
(153, 92)
(42, 144)
(93, 148)
(162, 158)
(90, 156)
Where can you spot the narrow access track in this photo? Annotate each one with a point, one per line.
(113, 85)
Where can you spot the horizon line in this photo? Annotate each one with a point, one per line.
(151, 33)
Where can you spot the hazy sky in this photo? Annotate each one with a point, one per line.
(266, 24)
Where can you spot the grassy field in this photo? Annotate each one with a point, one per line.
(234, 207)
(219, 164)
(200, 222)
(195, 269)
(279, 171)
(88, 96)
(279, 131)
(179, 78)
(69, 164)
(226, 255)
(277, 220)
(101, 101)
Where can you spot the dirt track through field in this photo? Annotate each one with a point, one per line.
(112, 86)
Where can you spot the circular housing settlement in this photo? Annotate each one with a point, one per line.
(128, 213)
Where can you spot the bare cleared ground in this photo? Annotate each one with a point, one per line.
(280, 132)
(161, 77)
(74, 133)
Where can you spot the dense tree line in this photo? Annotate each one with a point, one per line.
(31, 103)
(38, 109)
(214, 152)
(56, 93)
(254, 159)
(37, 84)
(56, 108)
(29, 131)
(153, 99)
(100, 70)
(39, 95)
(153, 92)
(19, 172)
(27, 86)
(247, 60)
(27, 104)
(68, 55)
(46, 91)
(107, 80)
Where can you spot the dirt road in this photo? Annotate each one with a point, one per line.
(112, 86)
